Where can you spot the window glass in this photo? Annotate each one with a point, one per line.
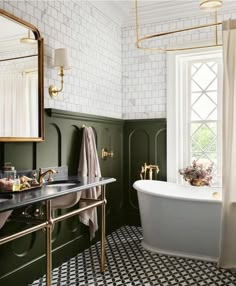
(204, 79)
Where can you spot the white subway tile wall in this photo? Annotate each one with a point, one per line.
(93, 84)
(144, 72)
(109, 75)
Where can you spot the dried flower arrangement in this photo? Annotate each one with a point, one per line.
(197, 174)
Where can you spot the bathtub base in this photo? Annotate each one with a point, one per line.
(177, 254)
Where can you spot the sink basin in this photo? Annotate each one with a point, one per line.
(4, 216)
(65, 201)
(62, 183)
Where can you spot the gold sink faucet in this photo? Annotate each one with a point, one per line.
(149, 168)
(43, 174)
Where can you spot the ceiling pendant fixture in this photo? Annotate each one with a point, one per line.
(211, 4)
(205, 5)
(28, 40)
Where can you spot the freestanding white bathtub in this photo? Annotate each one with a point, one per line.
(180, 220)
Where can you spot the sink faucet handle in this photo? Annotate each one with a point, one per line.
(50, 178)
(42, 175)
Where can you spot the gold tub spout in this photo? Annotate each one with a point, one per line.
(42, 175)
(149, 168)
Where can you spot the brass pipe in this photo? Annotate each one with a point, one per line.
(48, 224)
(150, 173)
(103, 228)
(179, 31)
(137, 31)
(49, 243)
(138, 40)
(75, 212)
(22, 233)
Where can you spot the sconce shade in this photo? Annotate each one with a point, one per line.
(62, 59)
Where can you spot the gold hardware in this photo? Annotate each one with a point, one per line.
(49, 228)
(39, 38)
(53, 90)
(106, 154)
(103, 229)
(139, 40)
(215, 195)
(149, 168)
(42, 175)
(61, 60)
(48, 225)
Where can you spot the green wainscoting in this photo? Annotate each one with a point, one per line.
(23, 260)
(144, 141)
(133, 142)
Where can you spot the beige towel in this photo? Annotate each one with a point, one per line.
(89, 167)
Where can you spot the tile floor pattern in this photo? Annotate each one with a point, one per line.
(130, 265)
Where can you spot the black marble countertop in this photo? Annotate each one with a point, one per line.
(50, 191)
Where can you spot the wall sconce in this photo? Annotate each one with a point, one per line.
(61, 61)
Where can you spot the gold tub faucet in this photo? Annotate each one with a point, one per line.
(149, 168)
(43, 174)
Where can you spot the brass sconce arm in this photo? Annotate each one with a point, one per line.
(61, 61)
(53, 90)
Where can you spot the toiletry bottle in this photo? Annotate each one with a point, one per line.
(16, 185)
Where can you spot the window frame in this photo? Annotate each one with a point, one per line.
(178, 117)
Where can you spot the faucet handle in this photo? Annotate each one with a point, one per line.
(50, 178)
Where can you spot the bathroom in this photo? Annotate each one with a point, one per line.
(124, 94)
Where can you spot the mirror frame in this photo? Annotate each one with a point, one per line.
(40, 81)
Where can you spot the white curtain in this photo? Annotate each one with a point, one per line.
(228, 228)
(18, 105)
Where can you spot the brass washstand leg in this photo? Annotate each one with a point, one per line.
(49, 243)
(103, 228)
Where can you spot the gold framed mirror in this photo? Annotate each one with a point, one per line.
(21, 81)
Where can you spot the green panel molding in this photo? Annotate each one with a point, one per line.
(23, 260)
(133, 142)
(144, 141)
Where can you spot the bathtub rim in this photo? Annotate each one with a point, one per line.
(203, 200)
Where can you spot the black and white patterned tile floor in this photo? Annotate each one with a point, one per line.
(130, 265)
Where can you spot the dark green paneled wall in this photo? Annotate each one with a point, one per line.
(144, 141)
(22, 260)
(133, 142)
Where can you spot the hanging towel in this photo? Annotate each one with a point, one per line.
(89, 167)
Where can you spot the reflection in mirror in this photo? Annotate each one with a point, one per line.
(21, 80)
(18, 81)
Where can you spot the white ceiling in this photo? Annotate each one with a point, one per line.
(122, 12)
